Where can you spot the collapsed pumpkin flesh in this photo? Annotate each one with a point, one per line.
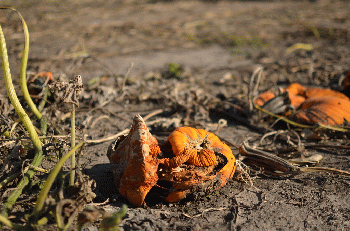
(200, 161)
(312, 105)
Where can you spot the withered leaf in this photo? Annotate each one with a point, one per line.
(68, 92)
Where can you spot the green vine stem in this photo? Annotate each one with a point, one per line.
(12, 177)
(26, 122)
(11, 225)
(51, 178)
(17, 174)
(44, 99)
(110, 223)
(72, 139)
(23, 72)
(60, 174)
(12, 94)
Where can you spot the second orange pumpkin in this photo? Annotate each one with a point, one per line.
(313, 105)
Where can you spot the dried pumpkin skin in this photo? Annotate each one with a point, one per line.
(316, 105)
(134, 162)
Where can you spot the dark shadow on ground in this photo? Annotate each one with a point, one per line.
(105, 187)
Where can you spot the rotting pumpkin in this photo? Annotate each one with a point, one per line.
(201, 161)
(194, 146)
(312, 105)
(135, 162)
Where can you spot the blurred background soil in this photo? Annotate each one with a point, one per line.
(214, 47)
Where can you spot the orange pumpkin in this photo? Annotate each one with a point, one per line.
(324, 110)
(315, 105)
(194, 146)
(134, 162)
(208, 162)
(296, 94)
(264, 97)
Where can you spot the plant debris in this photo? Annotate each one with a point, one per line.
(68, 92)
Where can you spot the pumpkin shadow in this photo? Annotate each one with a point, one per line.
(105, 183)
(106, 187)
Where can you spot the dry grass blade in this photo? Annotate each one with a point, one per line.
(252, 88)
(108, 138)
(325, 169)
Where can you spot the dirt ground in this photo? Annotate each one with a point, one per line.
(214, 46)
